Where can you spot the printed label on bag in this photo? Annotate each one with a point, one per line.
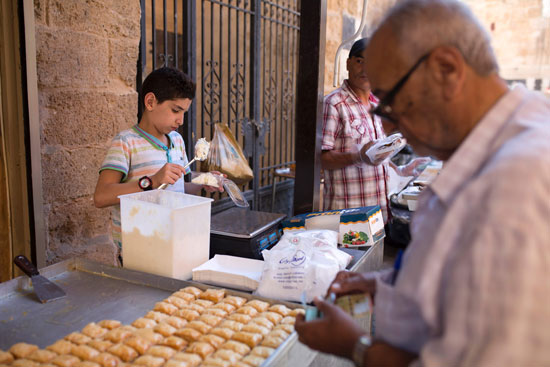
(291, 272)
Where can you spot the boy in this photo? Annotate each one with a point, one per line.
(152, 152)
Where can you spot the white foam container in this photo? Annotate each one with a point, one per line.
(165, 232)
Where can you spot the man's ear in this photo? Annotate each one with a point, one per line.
(449, 70)
(150, 101)
(348, 61)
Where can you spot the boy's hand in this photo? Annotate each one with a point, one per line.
(168, 174)
(209, 188)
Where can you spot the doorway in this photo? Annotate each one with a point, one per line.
(5, 242)
(15, 225)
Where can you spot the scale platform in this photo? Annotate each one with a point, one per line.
(244, 232)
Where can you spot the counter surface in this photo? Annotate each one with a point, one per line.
(96, 292)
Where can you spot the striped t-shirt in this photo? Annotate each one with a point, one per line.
(136, 153)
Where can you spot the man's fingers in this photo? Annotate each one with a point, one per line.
(343, 274)
(301, 326)
(325, 307)
(338, 279)
(354, 285)
(300, 320)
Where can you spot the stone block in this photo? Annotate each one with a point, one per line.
(354, 8)
(123, 58)
(331, 47)
(127, 9)
(75, 118)
(336, 4)
(105, 251)
(534, 12)
(77, 218)
(77, 229)
(67, 59)
(130, 116)
(69, 174)
(105, 18)
(40, 11)
(334, 26)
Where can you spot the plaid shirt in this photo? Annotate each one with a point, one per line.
(346, 123)
(474, 288)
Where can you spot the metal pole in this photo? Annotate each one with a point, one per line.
(190, 68)
(256, 20)
(142, 58)
(311, 67)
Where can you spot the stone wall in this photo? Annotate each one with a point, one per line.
(343, 20)
(520, 30)
(86, 62)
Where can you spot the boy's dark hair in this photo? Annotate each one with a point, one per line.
(166, 84)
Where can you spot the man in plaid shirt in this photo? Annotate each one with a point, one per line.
(349, 129)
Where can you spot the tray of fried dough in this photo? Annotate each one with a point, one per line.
(114, 317)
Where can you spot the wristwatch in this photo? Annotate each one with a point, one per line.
(145, 183)
(359, 348)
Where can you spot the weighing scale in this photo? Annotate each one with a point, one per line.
(244, 232)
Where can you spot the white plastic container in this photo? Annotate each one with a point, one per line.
(165, 232)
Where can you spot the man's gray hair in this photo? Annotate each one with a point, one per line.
(421, 25)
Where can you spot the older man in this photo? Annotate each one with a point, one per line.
(474, 285)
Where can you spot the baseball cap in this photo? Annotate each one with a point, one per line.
(358, 47)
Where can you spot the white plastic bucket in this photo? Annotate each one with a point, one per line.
(165, 232)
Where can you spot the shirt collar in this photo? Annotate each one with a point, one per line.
(346, 87)
(154, 141)
(476, 148)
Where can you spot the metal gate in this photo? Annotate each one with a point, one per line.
(243, 55)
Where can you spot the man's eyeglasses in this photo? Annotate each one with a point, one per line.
(384, 109)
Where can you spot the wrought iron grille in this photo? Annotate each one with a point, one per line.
(243, 55)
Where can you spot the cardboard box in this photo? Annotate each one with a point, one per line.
(356, 227)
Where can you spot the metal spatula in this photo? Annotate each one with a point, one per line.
(44, 289)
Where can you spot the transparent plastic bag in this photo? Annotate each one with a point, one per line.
(226, 156)
(302, 264)
(229, 186)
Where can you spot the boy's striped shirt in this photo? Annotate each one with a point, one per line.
(135, 154)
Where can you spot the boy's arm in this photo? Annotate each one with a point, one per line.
(109, 187)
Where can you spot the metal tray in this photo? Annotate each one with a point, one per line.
(97, 292)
